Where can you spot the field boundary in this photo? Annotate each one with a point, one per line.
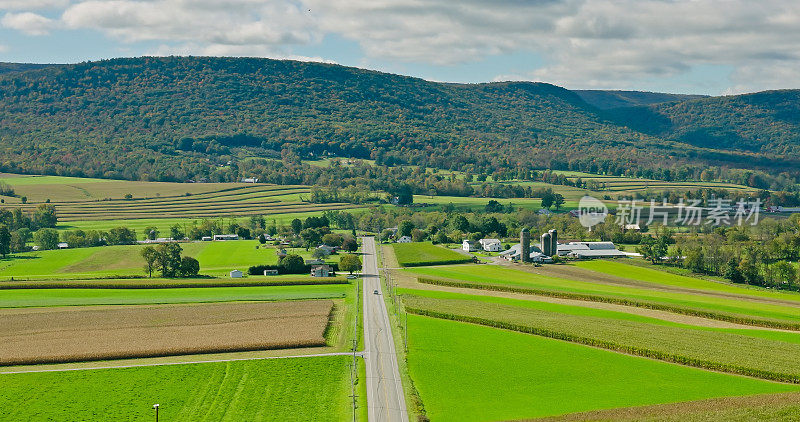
(608, 345)
(617, 301)
(163, 285)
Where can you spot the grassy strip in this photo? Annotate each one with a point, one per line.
(168, 284)
(617, 301)
(632, 350)
(437, 262)
(424, 253)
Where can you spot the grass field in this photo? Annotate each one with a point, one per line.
(731, 351)
(216, 258)
(74, 334)
(424, 253)
(467, 372)
(492, 275)
(18, 298)
(298, 389)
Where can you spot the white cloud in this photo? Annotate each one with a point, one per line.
(32, 4)
(241, 27)
(27, 22)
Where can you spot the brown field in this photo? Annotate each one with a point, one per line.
(50, 335)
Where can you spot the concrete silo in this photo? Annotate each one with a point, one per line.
(525, 245)
(553, 242)
(546, 244)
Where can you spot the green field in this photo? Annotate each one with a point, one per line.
(465, 372)
(302, 389)
(216, 258)
(72, 297)
(489, 276)
(424, 253)
(728, 350)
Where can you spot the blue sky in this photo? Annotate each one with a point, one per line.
(685, 46)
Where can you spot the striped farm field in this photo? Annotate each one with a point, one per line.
(232, 200)
(73, 334)
(297, 389)
(467, 372)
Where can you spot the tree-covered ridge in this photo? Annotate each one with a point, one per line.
(181, 118)
(766, 122)
(608, 99)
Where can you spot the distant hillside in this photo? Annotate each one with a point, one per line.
(605, 100)
(765, 122)
(179, 118)
(21, 67)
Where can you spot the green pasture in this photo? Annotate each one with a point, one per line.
(493, 275)
(270, 389)
(654, 275)
(466, 372)
(16, 298)
(216, 258)
(424, 253)
(719, 347)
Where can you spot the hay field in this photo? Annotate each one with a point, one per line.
(34, 336)
(424, 253)
(468, 372)
(301, 389)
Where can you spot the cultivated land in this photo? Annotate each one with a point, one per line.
(272, 389)
(49, 335)
(216, 258)
(423, 253)
(524, 376)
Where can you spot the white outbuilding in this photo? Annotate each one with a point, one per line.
(236, 274)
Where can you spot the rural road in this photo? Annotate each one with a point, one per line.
(385, 399)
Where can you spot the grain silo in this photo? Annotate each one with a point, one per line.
(525, 245)
(546, 244)
(553, 242)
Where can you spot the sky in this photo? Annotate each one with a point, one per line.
(713, 47)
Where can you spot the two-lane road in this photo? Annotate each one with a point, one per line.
(385, 398)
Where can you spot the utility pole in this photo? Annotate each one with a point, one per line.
(155, 406)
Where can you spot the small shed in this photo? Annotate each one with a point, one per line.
(236, 274)
(270, 272)
(321, 271)
(206, 238)
(404, 239)
(63, 245)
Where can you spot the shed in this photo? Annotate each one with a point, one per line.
(321, 270)
(270, 272)
(236, 274)
(404, 239)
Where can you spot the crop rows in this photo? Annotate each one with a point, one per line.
(49, 335)
(738, 319)
(719, 351)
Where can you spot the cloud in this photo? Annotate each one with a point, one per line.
(32, 4)
(27, 22)
(240, 27)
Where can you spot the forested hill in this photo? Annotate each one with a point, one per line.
(179, 118)
(766, 122)
(616, 99)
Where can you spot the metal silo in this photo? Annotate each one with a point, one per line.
(546, 244)
(525, 245)
(553, 242)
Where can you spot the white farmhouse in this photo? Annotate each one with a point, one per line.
(491, 245)
(469, 246)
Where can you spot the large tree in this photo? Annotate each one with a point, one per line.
(5, 240)
(168, 259)
(150, 255)
(349, 262)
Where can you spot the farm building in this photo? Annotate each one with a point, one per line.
(491, 245)
(236, 274)
(583, 250)
(63, 245)
(250, 180)
(270, 272)
(226, 237)
(206, 238)
(404, 239)
(469, 246)
(535, 254)
(327, 249)
(321, 270)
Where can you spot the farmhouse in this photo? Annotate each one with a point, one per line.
(404, 239)
(321, 270)
(226, 237)
(469, 246)
(236, 274)
(491, 245)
